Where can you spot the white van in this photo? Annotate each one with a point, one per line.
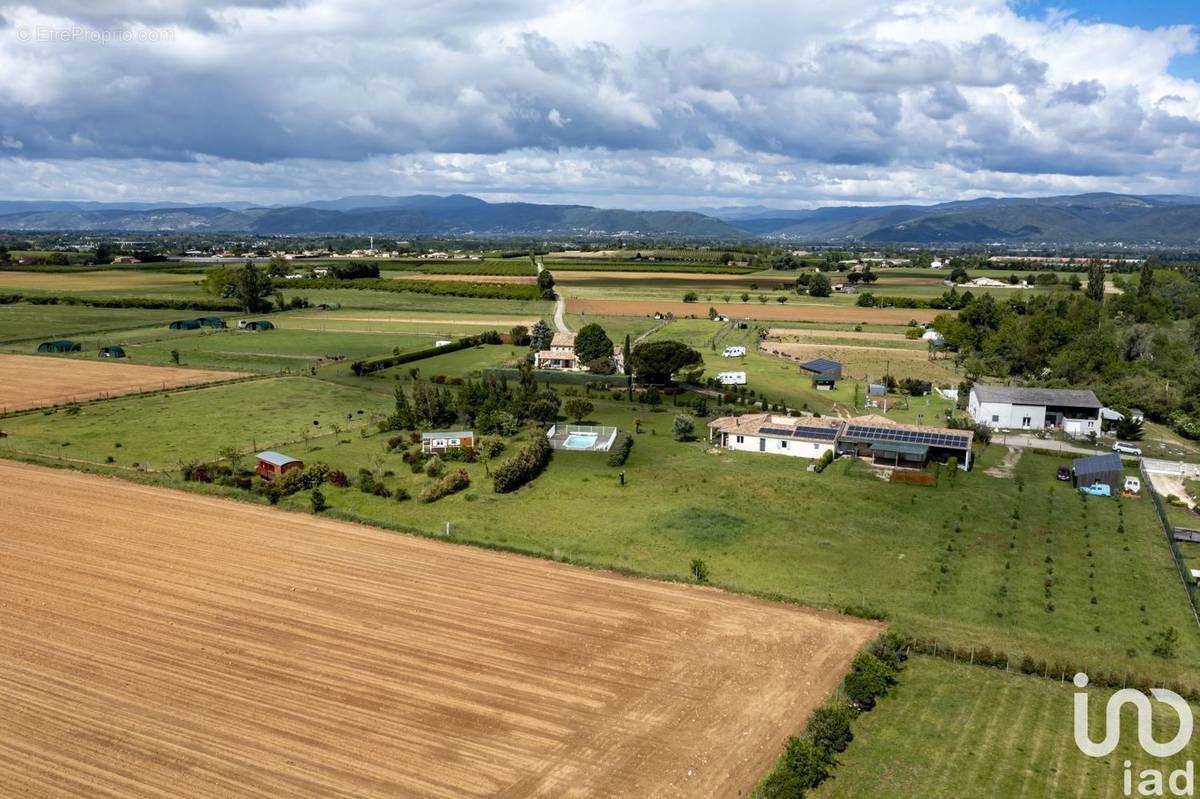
(1132, 485)
(734, 352)
(1126, 449)
(731, 378)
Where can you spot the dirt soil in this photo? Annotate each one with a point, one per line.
(34, 381)
(793, 312)
(159, 643)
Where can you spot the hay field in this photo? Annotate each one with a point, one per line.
(33, 381)
(159, 643)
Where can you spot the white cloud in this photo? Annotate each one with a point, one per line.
(652, 103)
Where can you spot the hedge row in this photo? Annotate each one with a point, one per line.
(123, 302)
(370, 365)
(619, 453)
(453, 482)
(810, 758)
(447, 288)
(524, 466)
(1056, 670)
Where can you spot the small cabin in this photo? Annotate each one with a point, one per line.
(112, 352)
(440, 441)
(272, 465)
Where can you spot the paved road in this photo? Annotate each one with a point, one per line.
(560, 305)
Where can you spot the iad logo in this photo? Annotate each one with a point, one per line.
(1151, 782)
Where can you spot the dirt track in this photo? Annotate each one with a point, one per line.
(32, 381)
(793, 312)
(164, 644)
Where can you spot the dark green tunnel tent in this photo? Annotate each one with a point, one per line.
(113, 351)
(58, 346)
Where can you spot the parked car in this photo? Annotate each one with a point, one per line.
(1132, 485)
(1127, 449)
(1064, 473)
(1097, 490)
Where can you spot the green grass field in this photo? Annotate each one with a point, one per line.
(954, 731)
(160, 431)
(949, 562)
(35, 323)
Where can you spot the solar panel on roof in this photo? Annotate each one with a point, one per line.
(909, 436)
(823, 433)
(774, 431)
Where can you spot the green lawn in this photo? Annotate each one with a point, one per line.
(34, 323)
(163, 430)
(954, 731)
(949, 562)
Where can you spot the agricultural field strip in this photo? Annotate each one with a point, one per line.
(31, 381)
(768, 311)
(322, 657)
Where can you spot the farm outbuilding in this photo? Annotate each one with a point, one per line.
(185, 324)
(113, 351)
(824, 382)
(1106, 469)
(825, 367)
(442, 440)
(62, 345)
(275, 464)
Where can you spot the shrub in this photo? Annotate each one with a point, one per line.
(823, 461)
(683, 428)
(489, 446)
(699, 570)
(317, 500)
(524, 466)
(453, 482)
(829, 728)
(619, 452)
(401, 494)
(338, 478)
(868, 679)
(804, 766)
(434, 467)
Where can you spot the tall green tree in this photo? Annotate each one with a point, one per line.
(591, 342)
(540, 336)
(656, 361)
(545, 282)
(1146, 279)
(819, 285)
(1095, 283)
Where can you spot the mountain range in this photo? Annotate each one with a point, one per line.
(1147, 220)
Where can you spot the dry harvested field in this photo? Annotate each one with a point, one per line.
(105, 280)
(166, 644)
(802, 333)
(865, 362)
(476, 321)
(791, 312)
(35, 381)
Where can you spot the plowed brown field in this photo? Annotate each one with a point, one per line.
(164, 644)
(32, 381)
(791, 312)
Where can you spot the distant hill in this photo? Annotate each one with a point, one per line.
(1172, 220)
(417, 216)
(1167, 220)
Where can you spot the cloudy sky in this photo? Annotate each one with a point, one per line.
(650, 104)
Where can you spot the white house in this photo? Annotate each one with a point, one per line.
(800, 437)
(1075, 411)
(561, 354)
(733, 352)
(731, 378)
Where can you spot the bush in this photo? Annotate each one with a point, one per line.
(683, 428)
(829, 728)
(489, 446)
(369, 366)
(804, 766)
(823, 461)
(317, 500)
(868, 679)
(434, 467)
(619, 452)
(699, 570)
(453, 482)
(524, 466)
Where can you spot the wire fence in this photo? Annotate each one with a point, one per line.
(1176, 554)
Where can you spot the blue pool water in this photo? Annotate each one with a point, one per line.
(580, 441)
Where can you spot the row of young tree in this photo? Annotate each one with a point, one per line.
(1139, 348)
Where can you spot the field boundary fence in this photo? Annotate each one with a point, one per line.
(1176, 554)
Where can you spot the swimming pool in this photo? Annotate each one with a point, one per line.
(580, 441)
